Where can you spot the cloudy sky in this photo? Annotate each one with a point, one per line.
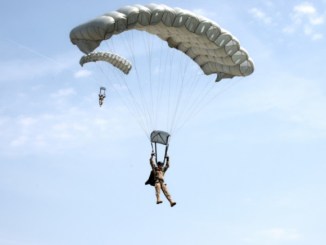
(248, 169)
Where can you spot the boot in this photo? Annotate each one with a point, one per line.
(159, 202)
(173, 203)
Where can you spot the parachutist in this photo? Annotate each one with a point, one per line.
(101, 96)
(156, 179)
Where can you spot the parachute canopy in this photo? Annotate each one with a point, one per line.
(116, 60)
(160, 137)
(215, 50)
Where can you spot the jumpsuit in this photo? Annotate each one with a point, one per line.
(159, 181)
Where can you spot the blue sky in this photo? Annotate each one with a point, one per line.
(248, 169)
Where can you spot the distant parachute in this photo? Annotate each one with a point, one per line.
(212, 48)
(116, 60)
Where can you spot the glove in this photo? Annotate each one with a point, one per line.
(153, 154)
(167, 158)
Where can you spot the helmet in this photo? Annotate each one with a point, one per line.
(160, 164)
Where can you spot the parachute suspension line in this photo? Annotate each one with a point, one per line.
(163, 84)
(132, 105)
(160, 74)
(167, 64)
(156, 152)
(152, 113)
(175, 91)
(235, 63)
(128, 104)
(96, 79)
(142, 97)
(197, 104)
(194, 90)
(157, 78)
(122, 81)
(197, 93)
(168, 76)
(203, 102)
(183, 71)
(139, 103)
(187, 103)
(229, 83)
(170, 61)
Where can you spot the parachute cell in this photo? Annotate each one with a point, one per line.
(215, 50)
(116, 60)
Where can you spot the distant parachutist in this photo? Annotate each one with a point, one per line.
(101, 96)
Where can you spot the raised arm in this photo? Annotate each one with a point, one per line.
(167, 165)
(152, 161)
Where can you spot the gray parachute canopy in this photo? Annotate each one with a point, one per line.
(116, 60)
(215, 50)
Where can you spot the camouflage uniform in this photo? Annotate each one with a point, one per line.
(159, 180)
(101, 98)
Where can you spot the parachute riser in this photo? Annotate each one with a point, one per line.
(166, 153)
(102, 91)
(156, 153)
(160, 137)
(154, 149)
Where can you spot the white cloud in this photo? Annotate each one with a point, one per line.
(204, 13)
(260, 15)
(317, 36)
(27, 121)
(280, 234)
(63, 93)
(296, 103)
(119, 87)
(24, 65)
(305, 16)
(305, 8)
(68, 129)
(21, 140)
(317, 20)
(273, 236)
(82, 73)
(307, 12)
(21, 69)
